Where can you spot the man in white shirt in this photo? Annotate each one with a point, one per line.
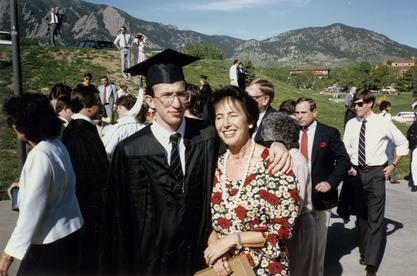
(233, 73)
(262, 91)
(123, 42)
(366, 138)
(53, 20)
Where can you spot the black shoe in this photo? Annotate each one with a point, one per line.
(362, 261)
(369, 273)
(414, 189)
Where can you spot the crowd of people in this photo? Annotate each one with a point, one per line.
(182, 178)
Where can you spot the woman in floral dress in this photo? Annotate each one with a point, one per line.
(253, 212)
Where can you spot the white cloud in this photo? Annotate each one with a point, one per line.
(234, 5)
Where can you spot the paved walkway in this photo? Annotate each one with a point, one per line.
(342, 257)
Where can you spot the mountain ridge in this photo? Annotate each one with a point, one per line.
(335, 43)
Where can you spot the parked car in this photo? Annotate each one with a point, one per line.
(405, 117)
(5, 38)
(96, 44)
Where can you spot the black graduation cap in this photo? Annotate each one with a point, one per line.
(164, 67)
(203, 77)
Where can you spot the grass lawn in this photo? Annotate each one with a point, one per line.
(44, 66)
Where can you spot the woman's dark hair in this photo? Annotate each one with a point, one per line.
(384, 105)
(288, 106)
(249, 105)
(33, 115)
(194, 105)
(84, 96)
(59, 90)
(278, 126)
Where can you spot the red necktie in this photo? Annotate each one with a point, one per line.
(304, 144)
(104, 95)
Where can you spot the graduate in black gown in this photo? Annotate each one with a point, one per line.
(90, 163)
(156, 216)
(156, 219)
(206, 96)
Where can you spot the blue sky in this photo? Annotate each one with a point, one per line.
(262, 19)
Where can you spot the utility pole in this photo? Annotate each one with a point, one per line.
(17, 73)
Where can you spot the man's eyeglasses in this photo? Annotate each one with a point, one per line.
(167, 98)
(257, 97)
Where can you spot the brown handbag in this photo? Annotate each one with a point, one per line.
(239, 264)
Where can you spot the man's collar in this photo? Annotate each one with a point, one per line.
(82, 117)
(164, 134)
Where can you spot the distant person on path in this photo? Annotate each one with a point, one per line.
(123, 42)
(412, 142)
(108, 97)
(263, 92)
(349, 110)
(233, 73)
(139, 48)
(385, 108)
(46, 235)
(205, 98)
(366, 137)
(328, 162)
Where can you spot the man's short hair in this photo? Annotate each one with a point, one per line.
(84, 97)
(288, 106)
(384, 105)
(235, 61)
(312, 102)
(365, 95)
(127, 101)
(104, 77)
(59, 90)
(62, 103)
(266, 87)
(88, 74)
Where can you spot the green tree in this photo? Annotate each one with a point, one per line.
(208, 51)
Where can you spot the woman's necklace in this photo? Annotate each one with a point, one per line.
(226, 158)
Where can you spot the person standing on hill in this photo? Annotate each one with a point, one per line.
(205, 98)
(139, 48)
(53, 21)
(108, 97)
(123, 42)
(233, 72)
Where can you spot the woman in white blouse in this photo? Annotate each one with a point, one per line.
(46, 233)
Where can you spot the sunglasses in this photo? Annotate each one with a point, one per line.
(87, 78)
(359, 104)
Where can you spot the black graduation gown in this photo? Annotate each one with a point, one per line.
(90, 163)
(149, 228)
(206, 102)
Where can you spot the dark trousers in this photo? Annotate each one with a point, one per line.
(369, 199)
(56, 258)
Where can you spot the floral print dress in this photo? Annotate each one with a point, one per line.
(264, 203)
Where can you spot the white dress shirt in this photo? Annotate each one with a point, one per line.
(54, 18)
(82, 117)
(258, 123)
(125, 127)
(311, 131)
(48, 207)
(385, 115)
(162, 135)
(377, 134)
(123, 40)
(233, 74)
(302, 174)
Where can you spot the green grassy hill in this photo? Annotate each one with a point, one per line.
(42, 67)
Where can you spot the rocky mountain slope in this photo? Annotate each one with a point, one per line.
(315, 45)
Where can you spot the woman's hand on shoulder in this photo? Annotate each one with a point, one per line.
(281, 161)
(9, 190)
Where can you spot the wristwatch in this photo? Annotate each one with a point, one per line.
(239, 244)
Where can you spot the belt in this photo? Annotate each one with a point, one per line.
(366, 168)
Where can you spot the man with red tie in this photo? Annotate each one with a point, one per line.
(327, 161)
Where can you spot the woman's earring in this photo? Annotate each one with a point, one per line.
(250, 126)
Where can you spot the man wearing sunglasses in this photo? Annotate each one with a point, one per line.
(366, 137)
